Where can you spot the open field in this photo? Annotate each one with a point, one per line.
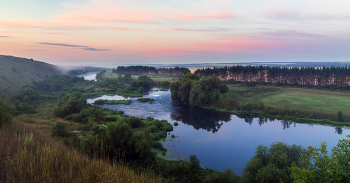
(110, 75)
(324, 102)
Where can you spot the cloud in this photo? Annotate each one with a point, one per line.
(150, 37)
(190, 16)
(58, 25)
(7, 37)
(292, 34)
(197, 30)
(38, 50)
(105, 12)
(73, 46)
(286, 13)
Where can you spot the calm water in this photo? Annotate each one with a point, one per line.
(222, 140)
(89, 76)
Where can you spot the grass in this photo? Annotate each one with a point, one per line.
(28, 155)
(111, 75)
(114, 102)
(15, 72)
(317, 101)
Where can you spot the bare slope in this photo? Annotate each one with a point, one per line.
(15, 72)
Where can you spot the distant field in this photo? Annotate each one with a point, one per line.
(310, 100)
(111, 75)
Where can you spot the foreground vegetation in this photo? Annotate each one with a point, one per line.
(92, 144)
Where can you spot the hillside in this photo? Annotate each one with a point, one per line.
(15, 72)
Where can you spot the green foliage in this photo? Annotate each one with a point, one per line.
(114, 102)
(158, 123)
(176, 124)
(340, 116)
(225, 177)
(205, 92)
(272, 164)
(142, 81)
(60, 129)
(5, 117)
(73, 105)
(26, 99)
(194, 163)
(318, 166)
(119, 134)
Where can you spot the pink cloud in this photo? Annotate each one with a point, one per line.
(189, 16)
(103, 13)
(47, 24)
(150, 37)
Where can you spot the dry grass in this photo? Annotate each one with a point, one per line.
(28, 155)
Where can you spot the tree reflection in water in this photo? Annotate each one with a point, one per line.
(338, 130)
(211, 120)
(199, 118)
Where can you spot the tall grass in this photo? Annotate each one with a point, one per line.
(27, 155)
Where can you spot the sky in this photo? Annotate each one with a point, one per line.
(112, 32)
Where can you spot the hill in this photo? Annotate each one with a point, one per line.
(15, 72)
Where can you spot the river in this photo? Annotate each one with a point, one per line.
(222, 140)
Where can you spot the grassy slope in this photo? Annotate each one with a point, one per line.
(29, 155)
(110, 75)
(15, 72)
(310, 100)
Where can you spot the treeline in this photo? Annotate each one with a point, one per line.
(151, 70)
(338, 77)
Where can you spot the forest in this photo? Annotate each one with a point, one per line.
(335, 77)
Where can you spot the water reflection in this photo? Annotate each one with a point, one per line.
(200, 118)
(338, 130)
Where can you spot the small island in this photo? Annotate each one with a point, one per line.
(101, 101)
(150, 100)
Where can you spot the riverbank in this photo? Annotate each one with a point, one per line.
(291, 103)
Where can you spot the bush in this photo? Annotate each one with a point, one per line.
(158, 145)
(225, 177)
(60, 130)
(158, 123)
(272, 112)
(176, 124)
(5, 117)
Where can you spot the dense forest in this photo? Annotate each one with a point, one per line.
(307, 76)
(177, 71)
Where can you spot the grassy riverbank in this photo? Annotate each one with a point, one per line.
(111, 75)
(301, 104)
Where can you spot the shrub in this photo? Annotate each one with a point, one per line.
(272, 112)
(340, 116)
(176, 124)
(158, 123)
(5, 116)
(158, 145)
(60, 130)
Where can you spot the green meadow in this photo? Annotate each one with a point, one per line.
(313, 101)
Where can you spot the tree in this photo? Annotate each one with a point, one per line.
(318, 166)
(272, 164)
